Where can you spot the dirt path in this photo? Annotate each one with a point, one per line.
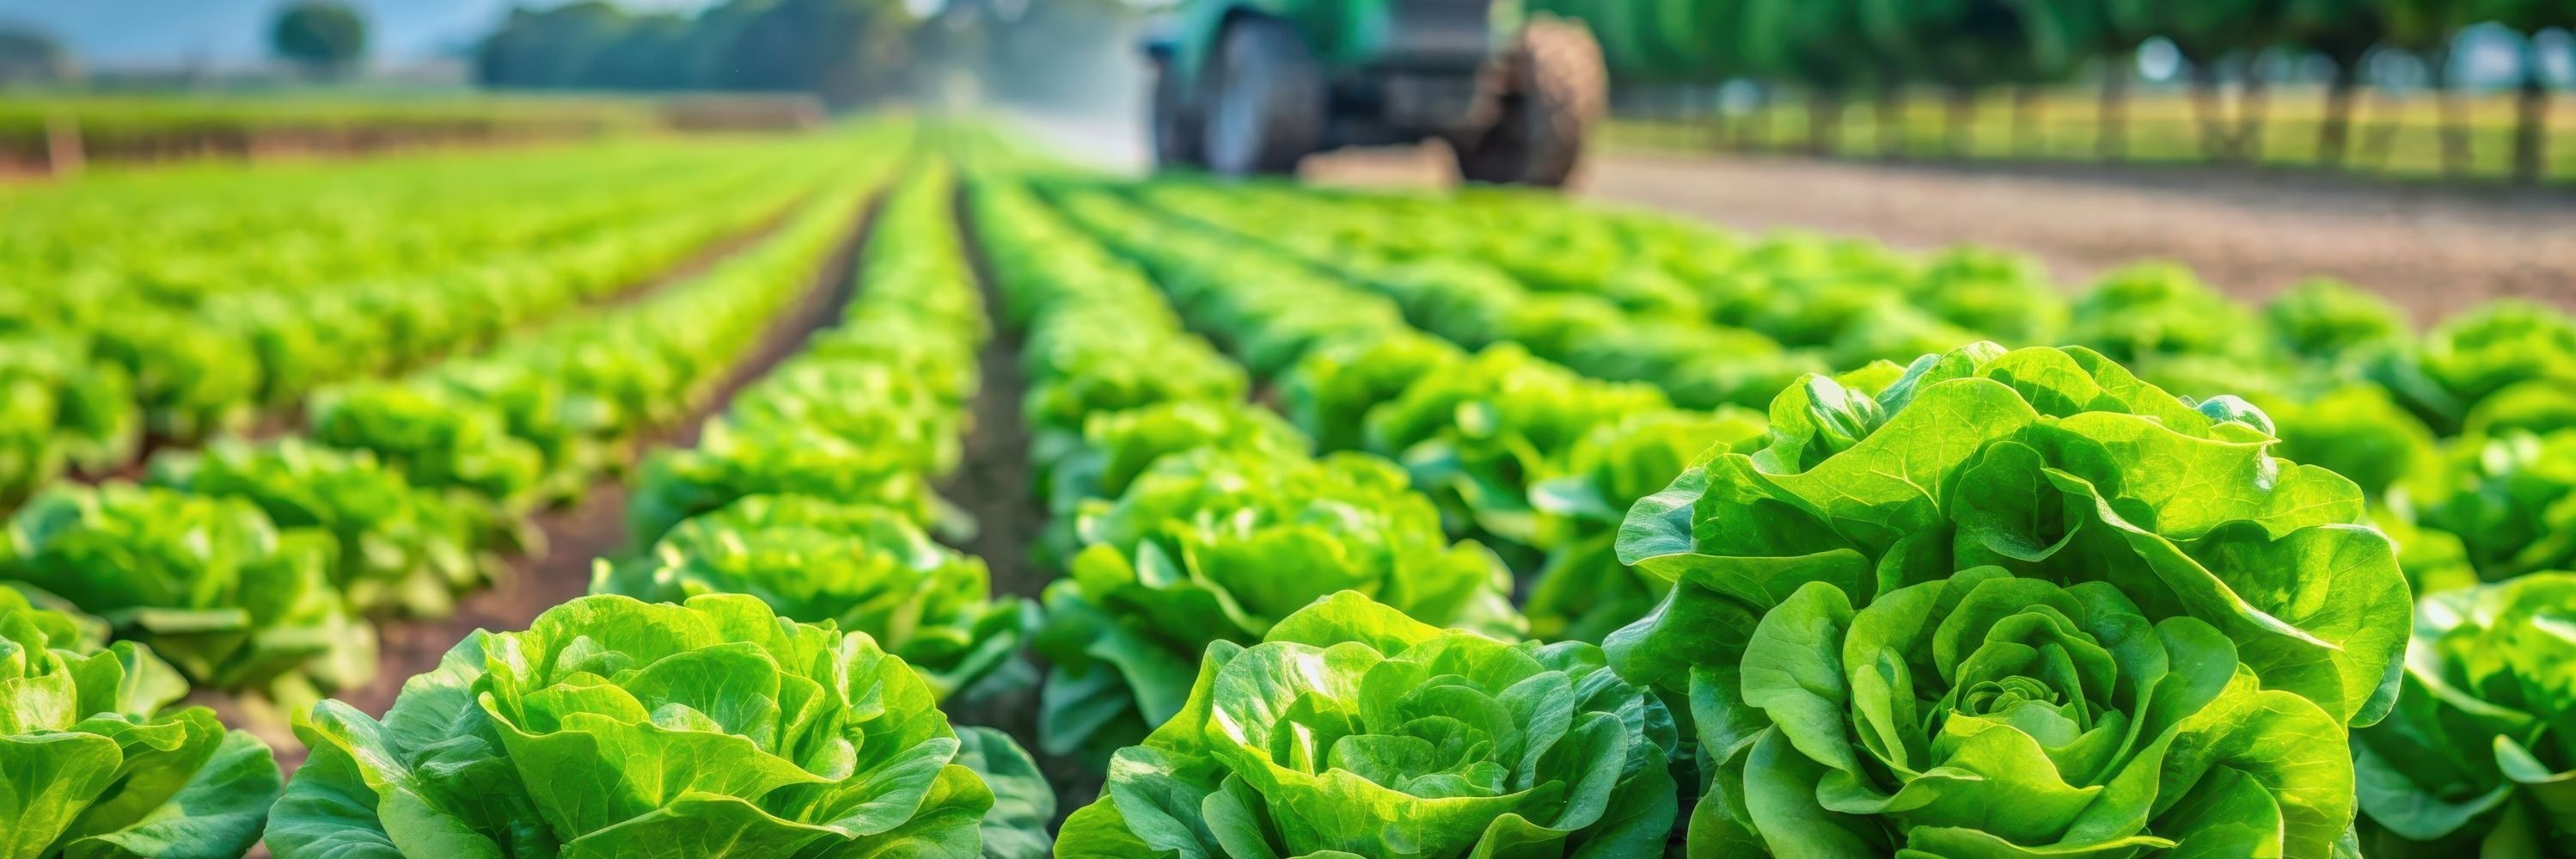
(2433, 250)
(996, 484)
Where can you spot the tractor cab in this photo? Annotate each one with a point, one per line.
(1245, 87)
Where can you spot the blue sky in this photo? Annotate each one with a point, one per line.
(171, 32)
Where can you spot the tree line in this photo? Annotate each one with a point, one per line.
(843, 50)
(324, 39)
(1836, 51)
(846, 51)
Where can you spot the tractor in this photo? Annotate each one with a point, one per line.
(1249, 87)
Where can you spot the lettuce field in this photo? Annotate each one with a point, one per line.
(897, 491)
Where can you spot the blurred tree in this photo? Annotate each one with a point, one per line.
(2343, 31)
(32, 56)
(950, 46)
(2212, 32)
(1817, 43)
(325, 37)
(553, 48)
(706, 55)
(648, 54)
(2121, 26)
(2427, 28)
(2531, 113)
(1969, 45)
(843, 50)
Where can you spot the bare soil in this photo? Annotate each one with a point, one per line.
(997, 486)
(2432, 249)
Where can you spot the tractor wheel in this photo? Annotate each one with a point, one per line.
(1178, 135)
(1265, 109)
(1553, 86)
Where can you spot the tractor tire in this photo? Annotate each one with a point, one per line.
(1265, 100)
(1553, 87)
(1179, 136)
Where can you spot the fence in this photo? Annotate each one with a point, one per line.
(2394, 135)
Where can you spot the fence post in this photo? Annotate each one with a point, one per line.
(63, 156)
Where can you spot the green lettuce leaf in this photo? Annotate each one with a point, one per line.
(2329, 321)
(98, 763)
(862, 568)
(1352, 730)
(2154, 310)
(618, 728)
(2477, 354)
(2476, 759)
(2509, 498)
(1216, 545)
(727, 465)
(1583, 592)
(2049, 465)
(1328, 394)
(209, 583)
(403, 549)
(1476, 436)
(2002, 295)
(1118, 446)
(1988, 715)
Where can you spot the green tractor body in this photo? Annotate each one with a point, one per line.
(1253, 86)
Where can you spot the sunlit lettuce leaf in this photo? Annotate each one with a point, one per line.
(727, 465)
(209, 583)
(1583, 592)
(99, 764)
(403, 549)
(1328, 393)
(435, 437)
(1984, 714)
(1118, 446)
(2511, 500)
(2476, 760)
(2329, 321)
(863, 568)
(1217, 545)
(2055, 468)
(1476, 436)
(613, 727)
(2148, 311)
(2003, 296)
(1352, 730)
(2355, 430)
(2478, 353)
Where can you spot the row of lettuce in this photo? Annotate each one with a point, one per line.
(1814, 647)
(247, 291)
(1322, 671)
(2459, 435)
(260, 569)
(769, 678)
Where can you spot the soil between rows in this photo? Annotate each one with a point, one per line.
(997, 486)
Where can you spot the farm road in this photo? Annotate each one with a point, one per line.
(2433, 250)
